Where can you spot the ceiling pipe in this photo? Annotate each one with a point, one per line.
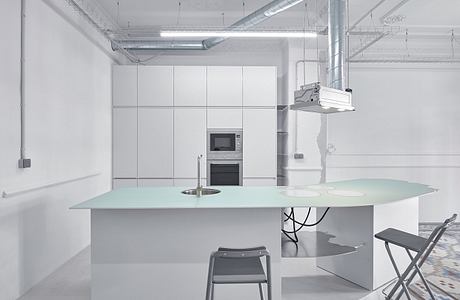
(260, 15)
(253, 19)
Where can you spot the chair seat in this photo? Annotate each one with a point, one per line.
(240, 270)
(402, 239)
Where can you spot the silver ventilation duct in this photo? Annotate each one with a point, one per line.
(245, 23)
(255, 18)
(332, 99)
(336, 43)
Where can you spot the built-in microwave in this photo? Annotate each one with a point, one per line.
(225, 143)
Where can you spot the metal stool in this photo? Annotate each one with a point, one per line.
(234, 266)
(421, 246)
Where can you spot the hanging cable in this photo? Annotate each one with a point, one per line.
(290, 215)
(303, 224)
(294, 239)
(118, 12)
(178, 13)
(406, 40)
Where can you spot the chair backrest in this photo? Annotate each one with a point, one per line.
(437, 233)
(242, 252)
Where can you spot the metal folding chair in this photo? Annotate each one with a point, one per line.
(421, 246)
(235, 266)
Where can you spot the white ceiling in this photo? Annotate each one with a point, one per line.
(432, 20)
(209, 12)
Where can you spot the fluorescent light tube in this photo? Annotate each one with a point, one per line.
(243, 34)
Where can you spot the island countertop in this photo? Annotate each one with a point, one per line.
(350, 193)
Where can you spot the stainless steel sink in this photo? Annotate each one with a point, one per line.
(204, 191)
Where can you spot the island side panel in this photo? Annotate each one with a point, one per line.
(350, 226)
(164, 253)
(402, 215)
(370, 266)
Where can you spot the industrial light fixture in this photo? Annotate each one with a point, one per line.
(316, 98)
(242, 34)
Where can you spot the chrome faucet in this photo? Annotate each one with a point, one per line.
(199, 187)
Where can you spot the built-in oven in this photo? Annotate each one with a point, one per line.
(225, 156)
(225, 142)
(225, 172)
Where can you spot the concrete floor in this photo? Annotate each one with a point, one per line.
(301, 280)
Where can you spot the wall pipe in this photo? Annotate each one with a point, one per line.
(22, 150)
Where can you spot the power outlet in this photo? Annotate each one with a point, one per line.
(298, 155)
(24, 163)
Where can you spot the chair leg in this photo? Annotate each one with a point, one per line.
(400, 282)
(210, 285)
(269, 290)
(208, 290)
(261, 292)
(422, 277)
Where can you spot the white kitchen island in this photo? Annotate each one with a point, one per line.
(154, 243)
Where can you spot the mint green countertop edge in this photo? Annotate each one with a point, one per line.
(374, 192)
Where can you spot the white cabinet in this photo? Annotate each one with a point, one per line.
(124, 85)
(123, 183)
(155, 142)
(155, 85)
(259, 86)
(125, 142)
(155, 182)
(225, 86)
(225, 118)
(189, 183)
(259, 181)
(189, 141)
(189, 86)
(259, 143)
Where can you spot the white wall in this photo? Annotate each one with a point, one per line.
(411, 117)
(68, 125)
(411, 129)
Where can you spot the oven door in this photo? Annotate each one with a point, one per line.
(225, 172)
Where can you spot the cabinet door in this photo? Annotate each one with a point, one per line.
(125, 142)
(155, 86)
(259, 181)
(189, 86)
(189, 141)
(225, 118)
(189, 183)
(155, 182)
(259, 143)
(124, 86)
(259, 86)
(155, 142)
(225, 86)
(122, 183)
